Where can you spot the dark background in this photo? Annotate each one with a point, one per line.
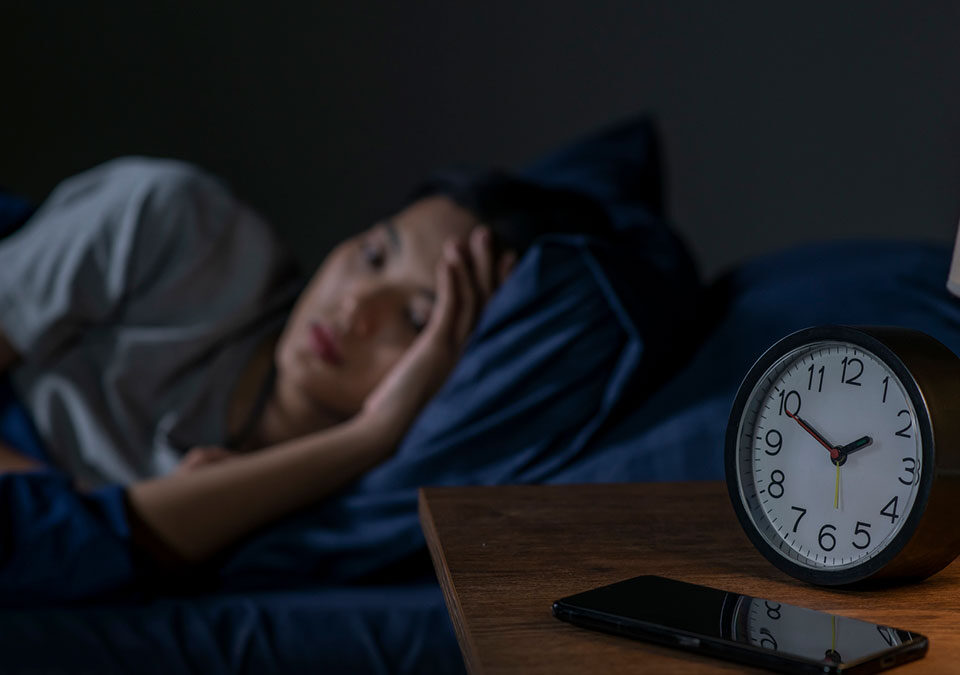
(781, 122)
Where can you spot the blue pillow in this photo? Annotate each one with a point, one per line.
(618, 166)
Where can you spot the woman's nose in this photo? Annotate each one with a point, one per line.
(360, 311)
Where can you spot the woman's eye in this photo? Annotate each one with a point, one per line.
(417, 319)
(373, 256)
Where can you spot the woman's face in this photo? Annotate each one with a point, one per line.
(364, 306)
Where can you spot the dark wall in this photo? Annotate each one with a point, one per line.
(782, 122)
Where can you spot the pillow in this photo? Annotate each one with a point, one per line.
(618, 166)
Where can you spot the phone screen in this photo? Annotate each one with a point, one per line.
(753, 630)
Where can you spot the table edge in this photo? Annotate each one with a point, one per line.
(454, 608)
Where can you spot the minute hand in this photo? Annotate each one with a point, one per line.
(834, 452)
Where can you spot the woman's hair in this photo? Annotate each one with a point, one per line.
(517, 211)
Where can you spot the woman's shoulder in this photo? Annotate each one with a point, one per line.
(160, 172)
(144, 233)
(130, 177)
(171, 209)
(159, 192)
(191, 226)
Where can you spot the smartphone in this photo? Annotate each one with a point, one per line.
(755, 631)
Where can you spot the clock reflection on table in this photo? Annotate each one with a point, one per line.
(812, 635)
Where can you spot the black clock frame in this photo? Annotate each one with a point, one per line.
(929, 539)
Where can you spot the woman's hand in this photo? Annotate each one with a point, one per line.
(467, 276)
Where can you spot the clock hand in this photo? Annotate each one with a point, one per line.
(858, 444)
(841, 458)
(836, 489)
(834, 452)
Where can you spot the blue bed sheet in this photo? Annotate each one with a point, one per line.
(371, 629)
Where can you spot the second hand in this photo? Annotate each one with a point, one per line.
(836, 490)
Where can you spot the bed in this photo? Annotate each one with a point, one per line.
(599, 361)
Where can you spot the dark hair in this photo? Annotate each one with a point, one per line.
(517, 210)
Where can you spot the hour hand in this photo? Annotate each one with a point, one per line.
(858, 444)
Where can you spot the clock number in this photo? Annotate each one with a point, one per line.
(885, 634)
(803, 512)
(827, 535)
(776, 483)
(862, 528)
(767, 642)
(903, 432)
(777, 441)
(853, 378)
(773, 611)
(785, 402)
(909, 469)
(886, 383)
(810, 381)
(890, 510)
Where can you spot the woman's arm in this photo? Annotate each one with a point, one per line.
(191, 515)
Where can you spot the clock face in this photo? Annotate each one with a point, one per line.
(829, 456)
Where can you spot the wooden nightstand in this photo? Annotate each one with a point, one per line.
(504, 554)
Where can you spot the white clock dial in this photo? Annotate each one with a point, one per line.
(829, 455)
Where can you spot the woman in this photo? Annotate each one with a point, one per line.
(145, 314)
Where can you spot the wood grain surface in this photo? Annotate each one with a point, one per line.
(504, 554)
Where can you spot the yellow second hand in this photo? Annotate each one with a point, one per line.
(833, 629)
(836, 490)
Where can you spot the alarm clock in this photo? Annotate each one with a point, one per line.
(842, 455)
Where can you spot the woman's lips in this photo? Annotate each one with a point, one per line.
(324, 344)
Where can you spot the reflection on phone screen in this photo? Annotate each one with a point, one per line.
(675, 612)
